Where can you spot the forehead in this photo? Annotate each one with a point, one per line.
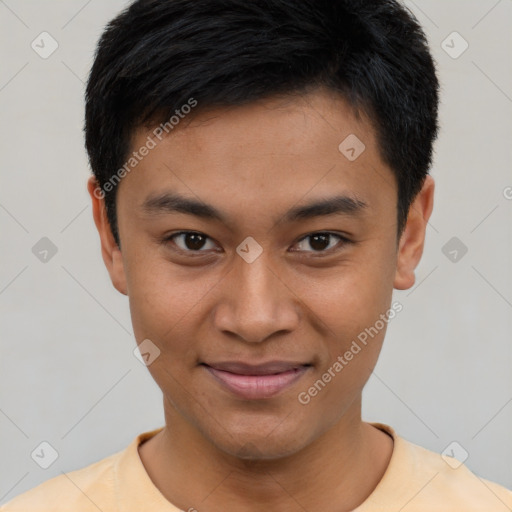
(264, 155)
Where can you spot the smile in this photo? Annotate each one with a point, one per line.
(257, 382)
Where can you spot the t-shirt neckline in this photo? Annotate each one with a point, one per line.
(136, 491)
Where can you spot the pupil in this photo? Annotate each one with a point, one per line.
(193, 241)
(319, 242)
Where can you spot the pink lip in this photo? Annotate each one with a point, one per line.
(257, 382)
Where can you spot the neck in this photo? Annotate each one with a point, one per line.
(342, 466)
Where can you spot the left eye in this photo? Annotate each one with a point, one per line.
(321, 241)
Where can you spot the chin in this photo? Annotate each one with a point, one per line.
(259, 442)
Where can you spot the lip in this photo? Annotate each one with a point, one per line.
(256, 382)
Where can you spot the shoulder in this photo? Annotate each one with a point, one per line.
(86, 489)
(418, 479)
(447, 479)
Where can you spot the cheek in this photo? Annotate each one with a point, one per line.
(352, 307)
(348, 363)
(348, 298)
(164, 309)
(167, 303)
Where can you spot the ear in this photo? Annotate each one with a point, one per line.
(413, 237)
(109, 248)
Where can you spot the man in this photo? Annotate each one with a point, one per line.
(260, 188)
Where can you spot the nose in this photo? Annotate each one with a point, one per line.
(256, 302)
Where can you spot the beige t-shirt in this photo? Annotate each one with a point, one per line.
(416, 480)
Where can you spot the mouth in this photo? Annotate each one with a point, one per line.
(256, 382)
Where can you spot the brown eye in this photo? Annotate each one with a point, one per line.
(190, 241)
(321, 242)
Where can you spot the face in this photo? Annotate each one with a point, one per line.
(254, 293)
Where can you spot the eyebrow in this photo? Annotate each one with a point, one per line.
(172, 202)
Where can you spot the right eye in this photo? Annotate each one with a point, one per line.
(187, 241)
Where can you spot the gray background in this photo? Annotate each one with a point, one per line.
(68, 375)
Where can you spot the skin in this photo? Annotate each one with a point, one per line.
(292, 303)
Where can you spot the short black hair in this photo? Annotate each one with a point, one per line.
(158, 54)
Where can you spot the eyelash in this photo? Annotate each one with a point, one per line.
(169, 239)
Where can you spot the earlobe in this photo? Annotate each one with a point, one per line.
(412, 240)
(110, 251)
